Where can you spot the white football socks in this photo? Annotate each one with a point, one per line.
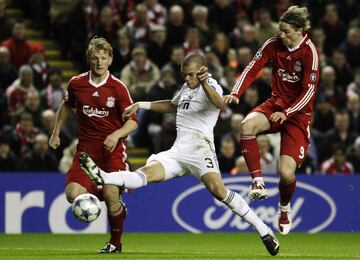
(127, 179)
(238, 205)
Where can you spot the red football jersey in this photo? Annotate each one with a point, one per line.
(98, 106)
(295, 74)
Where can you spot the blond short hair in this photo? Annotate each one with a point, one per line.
(298, 17)
(98, 43)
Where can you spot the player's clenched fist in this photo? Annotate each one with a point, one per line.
(54, 141)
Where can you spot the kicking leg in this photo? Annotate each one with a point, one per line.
(239, 206)
(152, 172)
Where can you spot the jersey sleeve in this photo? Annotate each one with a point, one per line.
(261, 58)
(69, 95)
(310, 80)
(216, 86)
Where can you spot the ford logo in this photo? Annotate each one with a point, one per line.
(312, 209)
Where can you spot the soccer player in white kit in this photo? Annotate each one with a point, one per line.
(198, 105)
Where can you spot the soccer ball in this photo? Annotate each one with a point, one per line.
(86, 207)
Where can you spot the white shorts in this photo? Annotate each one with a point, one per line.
(187, 156)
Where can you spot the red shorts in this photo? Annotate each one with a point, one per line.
(295, 132)
(107, 161)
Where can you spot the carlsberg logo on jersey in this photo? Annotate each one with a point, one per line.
(287, 77)
(90, 111)
(216, 216)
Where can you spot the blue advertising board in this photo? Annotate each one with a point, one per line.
(32, 202)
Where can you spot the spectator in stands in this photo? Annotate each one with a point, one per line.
(122, 52)
(122, 10)
(151, 123)
(80, 28)
(32, 106)
(54, 93)
(249, 101)
(351, 47)
(48, 118)
(328, 88)
(228, 80)
(5, 22)
(338, 163)
(222, 16)
(107, 26)
(220, 46)
(140, 75)
(265, 27)
(334, 28)
(176, 27)
(214, 64)
(237, 32)
(341, 133)
(344, 73)
(200, 21)
(226, 155)
(158, 51)
(20, 49)
(192, 41)
(156, 13)
(8, 71)
(40, 158)
(353, 107)
(244, 57)
(139, 27)
(39, 66)
(16, 93)
(324, 115)
(235, 131)
(263, 84)
(23, 136)
(318, 36)
(354, 86)
(176, 57)
(354, 155)
(8, 162)
(249, 39)
(68, 156)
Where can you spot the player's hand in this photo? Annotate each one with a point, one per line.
(202, 75)
(129, 111)
(111, 141)
(228, 99)
(54, 141)
(278, 116)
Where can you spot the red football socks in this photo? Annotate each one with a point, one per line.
(116, 220)
(251, 153)
(286, 192)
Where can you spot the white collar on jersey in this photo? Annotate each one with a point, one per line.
(297, 46)
(96, 85)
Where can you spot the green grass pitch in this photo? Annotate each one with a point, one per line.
(181, 246)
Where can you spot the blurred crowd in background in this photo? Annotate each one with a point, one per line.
(150, 38)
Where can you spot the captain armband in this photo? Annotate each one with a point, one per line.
(144, 105)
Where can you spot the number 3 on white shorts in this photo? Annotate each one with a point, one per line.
(302, 152)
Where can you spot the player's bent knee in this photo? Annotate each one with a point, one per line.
(247, 127)
(286, 175)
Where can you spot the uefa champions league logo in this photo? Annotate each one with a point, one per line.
(212, 215)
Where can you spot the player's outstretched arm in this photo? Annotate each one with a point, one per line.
(62, 115)
(162, 106)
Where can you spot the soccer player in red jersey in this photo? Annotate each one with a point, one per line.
(295, 75)
(99, 99)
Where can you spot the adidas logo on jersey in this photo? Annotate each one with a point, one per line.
(95, 94)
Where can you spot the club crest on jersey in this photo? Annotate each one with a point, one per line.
(258, 55)
(110, 102)
(313, 77)
(297, 66)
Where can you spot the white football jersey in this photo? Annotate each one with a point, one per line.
(195, 112)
